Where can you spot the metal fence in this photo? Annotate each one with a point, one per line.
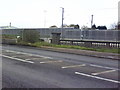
(91, 44)
(70, 33)
(111, 35)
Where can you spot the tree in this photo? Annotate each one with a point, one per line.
(54, 26)
(30, 36)
(102, 27)
(94, 26)
(74, 26)
(71, 25)
(65, 25)
(84, 27)
(113, 26)
(77, 26)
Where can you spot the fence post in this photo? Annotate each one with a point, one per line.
(88, 44)
(71, 42)
(107, 44)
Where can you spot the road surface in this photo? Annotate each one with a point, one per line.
(26, 67)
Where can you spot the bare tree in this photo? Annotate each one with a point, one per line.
(113, 26)
(84, 27)
(118, 26)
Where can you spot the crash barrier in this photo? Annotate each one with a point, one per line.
(91, 44)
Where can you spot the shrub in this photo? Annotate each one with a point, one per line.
(30, 36)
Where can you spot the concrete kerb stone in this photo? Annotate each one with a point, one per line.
(85, 53)
(112, 56)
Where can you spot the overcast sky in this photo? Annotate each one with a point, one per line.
(45, 13)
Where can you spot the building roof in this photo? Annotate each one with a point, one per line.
(7, 27)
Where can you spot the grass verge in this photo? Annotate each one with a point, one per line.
(8, 36)
(40, 44)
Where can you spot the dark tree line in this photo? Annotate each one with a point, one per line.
(65, 25)
(99, 27)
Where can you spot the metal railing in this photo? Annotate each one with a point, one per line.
(91, 44)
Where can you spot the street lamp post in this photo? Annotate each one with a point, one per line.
(91, 20)
(45, 18)
(62, 22)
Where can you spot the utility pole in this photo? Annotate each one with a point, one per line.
(91, 20)
(45, 18)
(10, 24)
(62, 22)
(118, 15)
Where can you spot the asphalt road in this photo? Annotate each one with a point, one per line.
(25, 67)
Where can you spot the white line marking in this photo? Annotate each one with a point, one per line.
(50, 62)
(28, 54)
(17, 59)
(7, 50)
(73, 66)
(14, 56)
(32, 59)
(103, 72)
(103, 67)
(87, 75)
(18, 52)
(27, 59)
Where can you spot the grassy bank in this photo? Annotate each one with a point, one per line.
(40, 44)
(8, 36)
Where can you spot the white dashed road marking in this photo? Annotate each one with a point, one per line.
(14, 56)
(73, 66)
(51, 61)
(103, 67)
(105, 79)
(108, 71)
(27, 59)
(18, 59)
(92, 75)
(32, 59)
(28, 54)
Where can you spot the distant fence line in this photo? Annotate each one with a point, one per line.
(70, 33)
